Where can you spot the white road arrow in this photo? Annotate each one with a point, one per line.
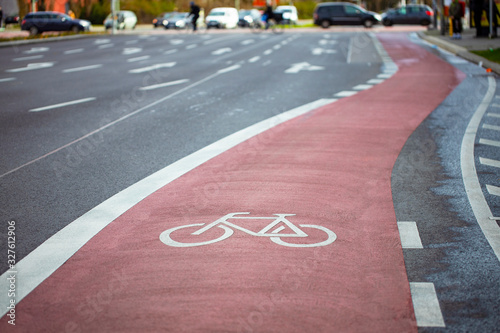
(303, 66)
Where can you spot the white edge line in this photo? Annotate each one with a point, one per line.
(55, 106)
(473, 189)
(426, 305)
(55, 251)
(409, 235)
(165, 84)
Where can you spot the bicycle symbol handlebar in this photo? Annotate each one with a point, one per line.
(228, 227)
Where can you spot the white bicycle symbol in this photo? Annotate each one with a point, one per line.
(274, 235)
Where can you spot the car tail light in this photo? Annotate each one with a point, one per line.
(429, 12)
(24, 21)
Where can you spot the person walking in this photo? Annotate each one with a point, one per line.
(456, 19)
(1, 19)
(195, 15)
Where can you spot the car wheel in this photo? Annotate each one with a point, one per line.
(34, 31)
(425, 22)
(325, 24)
(387, 23)
(75, 29)
(368, 23)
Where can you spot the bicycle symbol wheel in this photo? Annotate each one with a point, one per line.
(166, 239)
(331, 237)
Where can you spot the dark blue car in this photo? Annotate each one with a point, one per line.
(39, 22)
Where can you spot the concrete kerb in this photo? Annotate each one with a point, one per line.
(461, 52)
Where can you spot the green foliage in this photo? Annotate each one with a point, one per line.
(491, 54)
(146, 11)
(305, 9)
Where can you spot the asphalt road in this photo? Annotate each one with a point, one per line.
(82, 120)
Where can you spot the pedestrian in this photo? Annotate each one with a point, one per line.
(456, 19)
(195, 15)
(268, 14)
(1, 18)
(477, 6)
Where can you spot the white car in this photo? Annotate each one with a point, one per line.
(124, 19)
(289, 14)
(222, 17)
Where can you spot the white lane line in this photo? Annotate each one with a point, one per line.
(346, 93)
(426, 305)
(192, 46)
(28, 58)
(105, 46)
(491, 127)
(31, 67)
(473, 188)
(375, 81)
(36, 50)
(493, 115)
(493, 190)
(60, 105)
(247, 42)
(7, 79)
(254, 59)
(152, 68)
(222, 51)
(56, 250)
(488, 142)
(73, 51)
(268, 52)
(131, 114)
(410, 237)
(384, 76)
(138, 58)
(166, 84)
(131, 50)
(102, 41)
(170, 52)
(83, 68)
(489, 162)
(362, 87)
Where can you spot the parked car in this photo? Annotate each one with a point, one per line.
(289, 14)
(162, 20)
(343, 13)
(40, 22)
(11, 19)
(222, 17)
(177, 21)
(124, 19)
(248, 17)
(411, 14)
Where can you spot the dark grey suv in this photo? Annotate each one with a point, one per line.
(343, 13)
(411, 14)
(40, 22)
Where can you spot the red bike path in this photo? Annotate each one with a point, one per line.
(330, 167)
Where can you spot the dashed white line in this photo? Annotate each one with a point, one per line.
(375, 81)
(222, 51)
(28, 58)
(493, 115)
(493, 190)
(268, 52)
(165, 84)
(473, 189)
(491, 127)
(488, 142)
(83, 68)
(152, 68)
(345, 93)
(426, 305)
(7, 79)
(362, 87)
(73, 51)
(489, 162)
(60, 105)
(254, 59)
(410, 238)
(31, 67)
(105, 46)
(138, 58)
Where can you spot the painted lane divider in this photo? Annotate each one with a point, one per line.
(60, 105)
(426, 305)
(410, 238)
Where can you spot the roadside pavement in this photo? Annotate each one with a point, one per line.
(462, 47)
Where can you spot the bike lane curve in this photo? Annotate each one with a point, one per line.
(330, 169)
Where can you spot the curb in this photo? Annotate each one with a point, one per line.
(461, 52)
